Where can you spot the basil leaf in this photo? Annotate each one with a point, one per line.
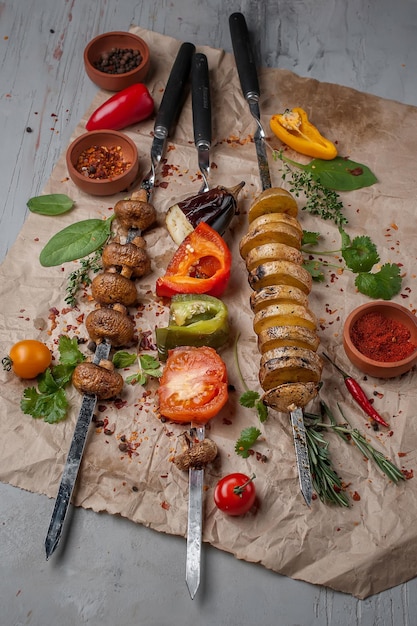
(51, 204)
(75, 241)
(341, 174)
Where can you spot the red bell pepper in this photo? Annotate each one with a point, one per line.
(124, 108)
(200, 265)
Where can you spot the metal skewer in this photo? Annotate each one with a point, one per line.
(246, 66)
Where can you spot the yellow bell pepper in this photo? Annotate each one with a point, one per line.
(294, 129)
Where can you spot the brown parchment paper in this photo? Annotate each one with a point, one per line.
(362, 550)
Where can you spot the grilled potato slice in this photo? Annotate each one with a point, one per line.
(282, 336)
(280, 273)
(277, 232)
(289, 365)
(274, 200)
(284, 315)
(272, 252)
(270, 219)
(277, 294)
(282, 397)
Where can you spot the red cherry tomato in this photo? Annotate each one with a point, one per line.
(235, 494)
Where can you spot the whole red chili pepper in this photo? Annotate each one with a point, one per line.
(124, 108)
(359, 395)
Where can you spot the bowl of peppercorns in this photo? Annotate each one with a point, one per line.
(380, 339)
(103, 162)
(117, 60)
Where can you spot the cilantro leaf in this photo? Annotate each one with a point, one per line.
(310, 238)
(314, 267)
(247, 439)
(361, 255)
(262, 411)
(49, 401)
(380, 285)
(51, 407)
(249, 398)
(69, 351)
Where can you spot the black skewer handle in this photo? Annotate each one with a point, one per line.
(174, 93)
(245, 60)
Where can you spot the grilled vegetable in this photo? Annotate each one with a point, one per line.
(100, 380)
(201, 264)
(194, 320)
(216, 207)
(290, 369)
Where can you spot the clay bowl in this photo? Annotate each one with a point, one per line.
(105, 43)
(108, 139)
(380, 369)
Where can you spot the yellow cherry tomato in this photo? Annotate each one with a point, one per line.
(28, 358)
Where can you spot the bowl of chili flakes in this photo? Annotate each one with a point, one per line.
(380, 339)
(103, 162)
(116, 60)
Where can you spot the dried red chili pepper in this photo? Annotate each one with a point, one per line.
(359, 395)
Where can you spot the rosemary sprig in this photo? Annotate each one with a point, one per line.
(325, 480)
(81, 276)
(320, 200)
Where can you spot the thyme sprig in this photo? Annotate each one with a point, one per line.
(81, 276)
(320, 200)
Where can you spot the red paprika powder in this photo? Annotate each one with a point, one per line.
(381, 338)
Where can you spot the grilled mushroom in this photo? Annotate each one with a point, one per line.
(100, 380)
(201, 453)
(110, 287)
(127, 258)
(135, 212)
(111, 324)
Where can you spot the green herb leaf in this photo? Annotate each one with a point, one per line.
(314, 267)
(149, 367)
(47, 383)
(380, 285)
(51, 204)
(262, 411)
(69, 352)
(247, 439)
(81, 276)
(124, 359)
(361, 255)
(52, 408)
(249, 398)
(310, 238)
(76, 241)
(341, 174)
(49, 401)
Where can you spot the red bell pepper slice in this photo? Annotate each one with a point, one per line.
(200, 265)
(126, 107)
(193, 386)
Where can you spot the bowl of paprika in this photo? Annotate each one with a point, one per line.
(380, 339)
(103, 162)
(116, 60)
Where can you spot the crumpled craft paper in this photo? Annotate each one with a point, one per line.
(367, 548)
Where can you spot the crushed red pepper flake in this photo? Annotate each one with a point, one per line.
(102, 162)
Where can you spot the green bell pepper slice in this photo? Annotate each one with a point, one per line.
(194, 320)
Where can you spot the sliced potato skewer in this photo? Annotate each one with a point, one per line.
(290, 368)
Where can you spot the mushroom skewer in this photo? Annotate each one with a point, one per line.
(97, 380)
